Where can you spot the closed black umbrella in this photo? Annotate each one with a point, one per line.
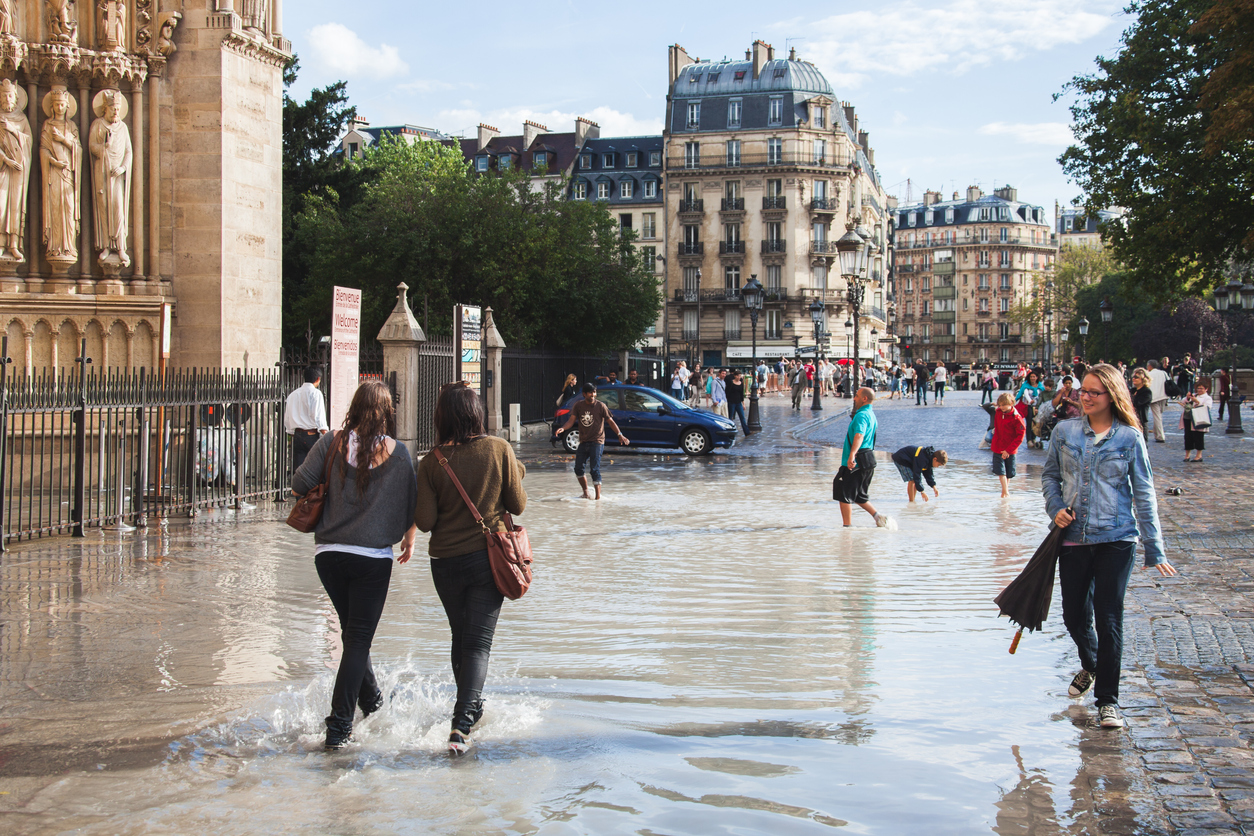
(1026, 599)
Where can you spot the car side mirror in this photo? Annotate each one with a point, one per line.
(662, 410)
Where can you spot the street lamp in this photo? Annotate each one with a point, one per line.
(752, 294)
(1049, 322)
(816, 313)
(1238, 297)
(1063, 336)
(848, 344)
(1108, 313)
(1084, 332)
(853, 250)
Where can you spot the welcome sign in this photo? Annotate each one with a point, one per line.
(345, 342)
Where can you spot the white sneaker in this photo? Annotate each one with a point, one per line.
(1108, 717)
(458, 742)
(885, 521)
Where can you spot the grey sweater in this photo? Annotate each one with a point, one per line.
(377, 520)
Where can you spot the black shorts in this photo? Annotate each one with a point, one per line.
(851, 486)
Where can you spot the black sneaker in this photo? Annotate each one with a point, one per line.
(458, 742)
(1081, 684)
(370, 707)
(1109, 717)
(337, 739)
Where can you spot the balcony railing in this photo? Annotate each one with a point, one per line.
(775, 246)
(696, 248)
(828, 296)
(775, 334)
(733, 204)
(731, 333)
(717, 158)
(777, 202)
(878, 313)
(691, 334)
(694, 205)
(727, 294)
(775, 294)
(905, 268)
(731, 247)
(983, 314)
(824, 204)
(823, 247)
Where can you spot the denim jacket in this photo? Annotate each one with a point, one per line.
(1101, 482)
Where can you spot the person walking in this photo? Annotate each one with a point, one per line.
(305, 416)
(569, 389)
(735, 392)
(718, 392)
(939, 378)
(920, 383)
(761, 376)
(679, 381)
(1185, 373)
(1026, 400)
(1195, 437)
(1223, 391)
(492, 478)
(797, 379)
(592, 416)
(908, 376)
(989, 386)
(916, 465)
(369, 506)
(853, 480)
(1008, 432)
(1158, 399)
(1141, 397)
(1096, 472)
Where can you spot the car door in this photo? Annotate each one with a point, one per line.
(641, 422)
(611, 397)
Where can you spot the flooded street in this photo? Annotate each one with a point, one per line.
(704, 651)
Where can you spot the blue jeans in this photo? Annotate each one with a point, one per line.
(920, 393)
(677, 394)
(1093, 579)
(589, 454)
(358, 588)
(737, 410)
(472, 604)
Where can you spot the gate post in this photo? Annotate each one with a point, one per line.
(401, 337)
(493, 348)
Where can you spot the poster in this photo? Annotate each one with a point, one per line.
(345, 338)
(469, 346)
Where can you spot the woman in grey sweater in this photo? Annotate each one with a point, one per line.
(369, 506)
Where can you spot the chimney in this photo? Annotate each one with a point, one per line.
(487, 133)
(851, 116)
(759, 57)
(358, 122)
(864, 139)
(930, 197)
(770, 53)
(586, 129)
(955, 195)
(531, 130)
(974, 193)
(891, 202)
(677, 60)
(792, 54)
(1007, 193)
(747, 56)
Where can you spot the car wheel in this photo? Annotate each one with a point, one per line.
(695, 442)
(571, 440)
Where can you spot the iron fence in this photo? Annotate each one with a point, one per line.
(533, 378)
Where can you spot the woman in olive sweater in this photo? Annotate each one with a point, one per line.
(492, 477)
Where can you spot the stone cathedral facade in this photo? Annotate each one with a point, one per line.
(141, 164)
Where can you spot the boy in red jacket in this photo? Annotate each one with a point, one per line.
(1008, 432)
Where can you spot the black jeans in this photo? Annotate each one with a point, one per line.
(302, 443)
(1093, 580)
(358, 587)
(473, 604)
(737, 410)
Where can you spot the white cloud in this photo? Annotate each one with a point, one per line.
(1039, 133)
(908, 38)
(510, 120)
(339, 49)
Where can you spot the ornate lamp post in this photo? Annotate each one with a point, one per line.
(1108, 313)
(753, 295)
(1084, 332)
(1049, 321)
(1063, 336)
(852, 249)
(1238, 297)
(875, 346)
(816, 313)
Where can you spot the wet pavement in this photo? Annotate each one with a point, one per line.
(704, 651)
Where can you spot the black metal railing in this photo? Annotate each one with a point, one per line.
(691, 334)
(778, 245)
(731, 247)
(533, 378)
(694, 248)
(693, 205)
(731, 333)
(728, 294)
(716, 158)
(733, 204)
(776, 202)
(824, 204)
(823, 247)
(772, 334)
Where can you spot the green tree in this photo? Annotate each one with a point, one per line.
(1057, 290)
(557, 273)
(1142, 145)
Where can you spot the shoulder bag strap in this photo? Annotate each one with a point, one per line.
(326, 473)
(457, 484)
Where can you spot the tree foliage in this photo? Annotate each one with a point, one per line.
(557, 273)
(1143, 146)
(1228, 94)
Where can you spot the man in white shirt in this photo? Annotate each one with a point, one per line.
(305, 417)
(939, 378)
(1158, 398)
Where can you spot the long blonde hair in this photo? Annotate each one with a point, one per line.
(570, 381)
(1120, 400)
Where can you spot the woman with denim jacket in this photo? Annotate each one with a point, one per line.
(1097, 471)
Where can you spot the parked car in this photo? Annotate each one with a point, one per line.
(651, 419)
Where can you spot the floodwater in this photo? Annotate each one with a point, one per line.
(704, 651)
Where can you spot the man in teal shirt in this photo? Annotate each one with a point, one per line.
(854, 480)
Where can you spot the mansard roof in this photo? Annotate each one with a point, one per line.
(719, 78)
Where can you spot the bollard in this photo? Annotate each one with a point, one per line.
(515, 422)
(120, 485)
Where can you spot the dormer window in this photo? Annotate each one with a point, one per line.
(740, 75)
(607, 161)
(775, 115)
(781, 72)
(585, 161)
(481, 162)
(633, 159)
(352, 150)
(502, 162)
(735, 108)
(540, 159)
(713, 78)
(655, 159)
(927, 217)
(949, 215)
(820, 117)
(694, 78)
(694, 114)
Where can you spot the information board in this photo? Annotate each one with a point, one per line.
(469, 347)
(345, 339)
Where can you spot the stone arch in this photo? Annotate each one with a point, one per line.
(117, 345)
(95, 334)
(41, 345)
(144, 345)
(16, 332)
(67, 346)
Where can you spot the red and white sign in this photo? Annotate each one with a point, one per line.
(345, 339)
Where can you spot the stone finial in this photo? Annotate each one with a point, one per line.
(401, 325)
(491, 336)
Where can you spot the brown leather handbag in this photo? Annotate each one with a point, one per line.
(307, 511)
(509, 551)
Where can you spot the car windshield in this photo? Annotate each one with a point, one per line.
(669, 401)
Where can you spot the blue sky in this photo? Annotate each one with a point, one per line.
(954, 93)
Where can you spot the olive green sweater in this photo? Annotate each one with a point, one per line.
(488, 471)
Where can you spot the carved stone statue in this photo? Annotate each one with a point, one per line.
(15, 150)
(8, 18)
(165, 36)
(110, 144)
(112, 24)
(61, 153)
(62, 22)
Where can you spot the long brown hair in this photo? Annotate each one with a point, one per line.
(372, 416)
(458, 414)
(1120, 400)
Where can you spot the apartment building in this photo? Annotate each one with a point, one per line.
(765, 171)
(361, 135)
(1079, 228)
(961, 267)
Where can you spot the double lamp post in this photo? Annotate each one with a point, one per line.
(1233, 299)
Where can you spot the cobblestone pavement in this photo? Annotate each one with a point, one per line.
(1185, 761)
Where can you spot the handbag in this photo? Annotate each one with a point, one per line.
(1199, 416)
(307, 511)
(509, 551)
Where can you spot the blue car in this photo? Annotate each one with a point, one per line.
(651, 419)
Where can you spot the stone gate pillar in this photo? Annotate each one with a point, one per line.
(493, 347)
(401, 337)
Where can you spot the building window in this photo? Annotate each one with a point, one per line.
(774, 151)
(908, 284)
(924, 309)
(1005, 281)
(966, 305)
(648, 225)
(580, 190)
(655, 159)
(692, 154)
(649, 255)
(775, 113)
(731, 190)
(607, 161)
(692, 281)
(603, 191)
(1003, 304)
(773, 273)
(694, 115)
(352, 150)
(731, 319)
(540, 159)
(925, 284)
(627, 189)
(983, 304)
(740, 75)
(731, 234)
(692, 234)
(984, 281)
(909, 308)
(481, 163)
(633, 159)
(984, 260)
(1005, 259)
(733, 152)
(774, 324)
(731, 276)
(650, 189)
(820, 117)
(585, 162)
(624, 221)
(820, 151)
(713, 78)
(774, 233)
(1005, 235)
(694, 78)
(949, 215)
(503, 162)
(774, 188)
(691, 323)
(734, 109)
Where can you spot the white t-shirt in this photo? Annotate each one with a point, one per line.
(909, 373)
(940, 374)
(1157, 380)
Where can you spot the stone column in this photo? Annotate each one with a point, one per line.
(402, 336)
(154, 182)
(493, 347)
(34, 191)
(86, 206)
(137, 184)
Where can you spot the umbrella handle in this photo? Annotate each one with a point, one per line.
(1014, 645)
